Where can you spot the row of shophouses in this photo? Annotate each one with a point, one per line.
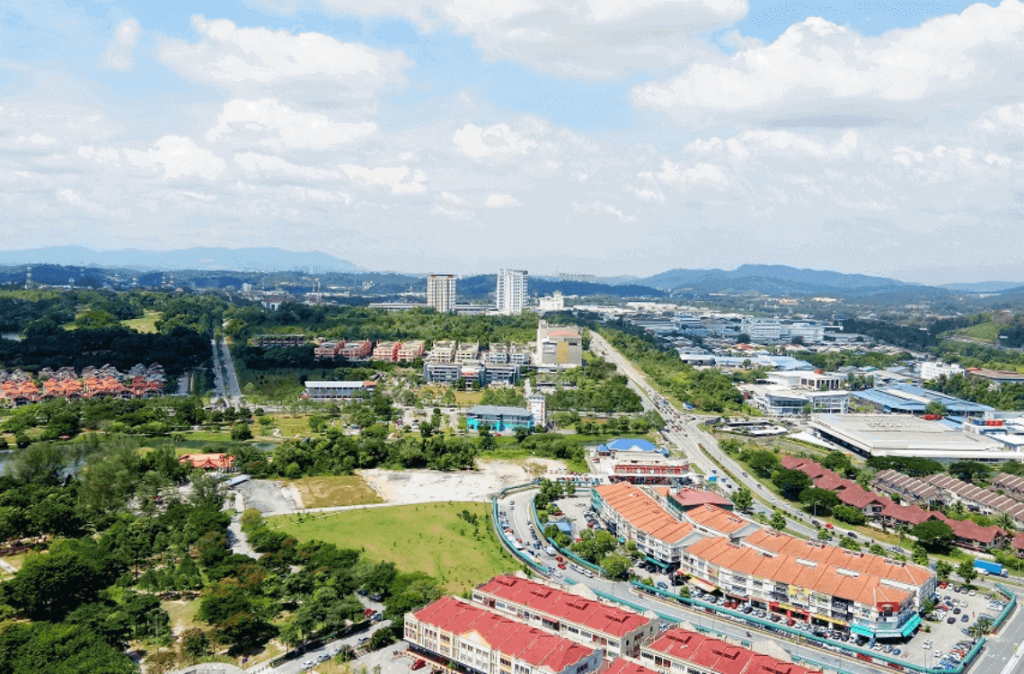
(719, 551)
(515, 625)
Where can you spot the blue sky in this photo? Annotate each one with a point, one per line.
(623, 137)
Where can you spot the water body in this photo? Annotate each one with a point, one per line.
(13, 336)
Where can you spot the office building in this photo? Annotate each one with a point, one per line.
(441, 292)
(510, 295)
(498, 418)
(337, 390)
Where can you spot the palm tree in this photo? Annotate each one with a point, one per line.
(1005, 522)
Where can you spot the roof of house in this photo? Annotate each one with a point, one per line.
(529, 644)
(719, 656)
(688, 498)
(1018, 540)
(587, 612)
(207, 460)
(969, 530)
(631, 445)
(908, 514)
(643, 512)
(623, 666)
(717, 519)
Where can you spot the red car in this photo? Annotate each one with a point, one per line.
(828, 525)
(559, 558)
(419, 664)
(561, 566)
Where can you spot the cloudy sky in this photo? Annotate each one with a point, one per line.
(599, 136)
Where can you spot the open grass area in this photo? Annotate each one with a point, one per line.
(428, 537)
(986, 332)
(145, 324)
(183, 614)
(335, 490)
(292, 424)
(468, 397)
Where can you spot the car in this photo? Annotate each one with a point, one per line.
(419, 664)
(323, 657)
(662, 585)
(376, 597)
(972, 593)
(851, 534)
(362, 640)
(965, 618)
(937, 654)
(816, 523)
(828, 525)
(897, 651)
(956, 611)
(559, 559)
(561, 565)
(951, 620)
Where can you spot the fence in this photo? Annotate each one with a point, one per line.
(582, 562)
(814, 640)
(1008, 609)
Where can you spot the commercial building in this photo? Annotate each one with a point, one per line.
(572, 615)
(441, 292)
(482, 374)
(899, 435)
(498, 418)
(510, 294)
(679, 651)
(784, 401)
(558, 346)
(386, 351)
(996, 378)
(630, 513)
(932, 369)
(480, 641)
(357, 350)
(278, 341)
(537, 403)
(337, 390)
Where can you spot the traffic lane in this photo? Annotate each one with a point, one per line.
(521, 523)
(329, 649)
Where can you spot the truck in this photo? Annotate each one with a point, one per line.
(985, 567)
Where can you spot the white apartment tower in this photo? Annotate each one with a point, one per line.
(441, 292)
(510, 295)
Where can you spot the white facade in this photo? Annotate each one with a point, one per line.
(933, 370)
(553, 303)
(538, 406)
(441, 292)
(510, 295)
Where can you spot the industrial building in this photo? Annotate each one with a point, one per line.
(910, 399)
(900, 435)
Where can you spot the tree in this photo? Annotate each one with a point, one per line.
(791, 483)
(943, 569)
(778, 521)
(967, 571)
(616, 566)
(762, 462)
(838, 462)
(934, 535)
(970, 471)
(380, 639)
(876, 549)
(48, 587)
(918, 555)
(819, 501)
(849, 514)
(935, 407)
(849, 544)
(195, 643)
(61, 648)
(241, 432)
(742, 499)
(824, 535)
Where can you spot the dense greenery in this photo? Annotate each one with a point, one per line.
(975, 389)
(705, 389)
(597, 388)
(908, 465)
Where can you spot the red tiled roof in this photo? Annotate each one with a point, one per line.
(622, 666)
(688, 498)
(907, 514)
(593, 614)
(1018, 540)
(207, 461)
(970, 531)
(643, 512)
(719, 656)
(533, 646)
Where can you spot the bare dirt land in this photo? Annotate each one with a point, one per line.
(419, 486)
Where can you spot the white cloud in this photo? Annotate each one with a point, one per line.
(700, 174)
(498, 200)
(100, 156)
(299, 66)
(120, 52)
(178, 156)
(591, 39)
(819, 73)
(646, 194)
(284, 128)
(452, 206)
(38, 139)
(494, 141)
(255, 164)
(601, 208)
(401, 179)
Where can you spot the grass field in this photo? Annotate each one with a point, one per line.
(428, 537)
(335, 490)
(469, 397)
(290, 424)
(145, 324)
(986, 332)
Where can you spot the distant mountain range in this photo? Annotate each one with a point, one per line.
(212, 259)
(773, 280)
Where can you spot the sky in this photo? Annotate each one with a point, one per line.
(610, 137)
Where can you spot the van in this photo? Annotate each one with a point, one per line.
(588, 573)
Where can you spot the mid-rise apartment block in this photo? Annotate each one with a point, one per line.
(386, 351)
(410, 350)
(510, 294)
(357, 350)
(441, 292)
(329, 350)
(486, 642)
(443, 352)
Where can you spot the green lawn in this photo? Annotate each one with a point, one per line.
(145, 324)
(428, 537)
(986, 332)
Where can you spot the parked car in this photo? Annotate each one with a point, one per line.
(419, 664)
